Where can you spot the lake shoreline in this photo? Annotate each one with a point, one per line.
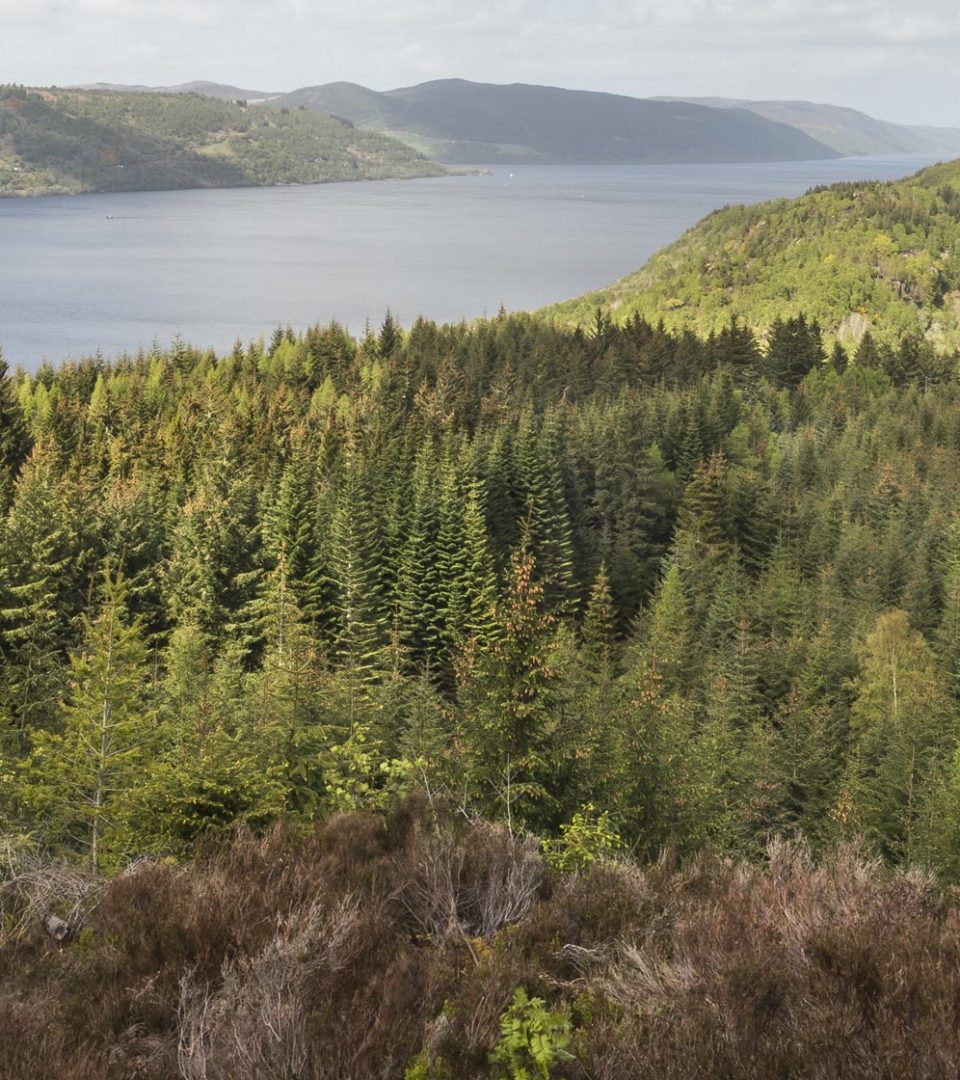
(217, 264)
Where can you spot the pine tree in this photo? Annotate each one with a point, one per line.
(451, 553)
(410, 720)
(870, 356)
(599, 625)
(812, 724)
(220, 763)
(192, 585)
(641, 527)
(736, 345)
(35, 562)
(751, 518)
(705, 511)
(946, 637)
(703, 539)
(503, 502)
(216, 566)
(667, 633)
(729, 739)
(131, 529)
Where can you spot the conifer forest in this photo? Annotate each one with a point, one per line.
(516, 687)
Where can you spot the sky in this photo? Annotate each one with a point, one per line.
(893, 59)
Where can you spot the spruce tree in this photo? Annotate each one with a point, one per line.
(356, 561)
(79, 775)
(37, 577)
(478, 585)
(15, 440)
(510, 734)
(902, 727)
(286, 687)
(420, 588)
(597, 738)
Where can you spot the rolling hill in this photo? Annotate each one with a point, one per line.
(855, 256)
(848, 131)
(60, 141)
(223, 91)
(459, 121)
(456, 121)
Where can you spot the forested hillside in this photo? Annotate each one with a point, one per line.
(59, 141)
(854, 256)
(848, 131)
(619, 591)
(535, 569)
(455, 120)
(224, 91)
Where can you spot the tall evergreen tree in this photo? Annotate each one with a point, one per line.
(79, 775)
(903, 728)
(14, 438)
(356, 556)
(510, 735)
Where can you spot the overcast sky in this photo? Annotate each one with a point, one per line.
(895, 59)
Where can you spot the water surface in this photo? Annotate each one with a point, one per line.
(120, 271)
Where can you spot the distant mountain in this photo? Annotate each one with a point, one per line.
(863, 256)
(848, 131)
(366, 108)
(944, 139)
(453, 120)
(66, 141)
(209, 89)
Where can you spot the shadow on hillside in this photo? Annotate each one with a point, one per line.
(99, 156)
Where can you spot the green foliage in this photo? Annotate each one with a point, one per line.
(103, 140)
(855, 257)
(79, 776)
(588, 836)
(511, 737)
(532, 1039)
(14, 438)
(903, 728)
(528, 571)
(359, 777)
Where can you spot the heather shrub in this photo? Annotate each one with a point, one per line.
(384, 947)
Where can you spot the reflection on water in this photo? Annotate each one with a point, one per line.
(117, 272)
